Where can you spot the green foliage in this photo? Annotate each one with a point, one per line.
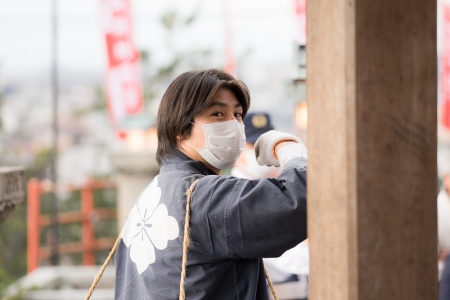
(156, 81)
(171, 19)
(20, 295)
(13, 241)
(39, 167)
(99, 104)
(13, 231)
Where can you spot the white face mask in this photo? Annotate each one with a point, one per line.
(224, 142)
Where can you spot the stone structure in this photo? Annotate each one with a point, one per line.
(12, 189)
(134, 171)
(62, 283)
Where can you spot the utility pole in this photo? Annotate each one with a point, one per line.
(1, 97)
(53, 238)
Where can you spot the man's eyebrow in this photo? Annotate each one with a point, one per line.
(222, 104)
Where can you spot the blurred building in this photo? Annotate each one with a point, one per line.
(85, 134)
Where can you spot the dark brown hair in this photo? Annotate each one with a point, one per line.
(187, 96)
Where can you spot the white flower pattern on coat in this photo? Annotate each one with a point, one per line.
(148, 226)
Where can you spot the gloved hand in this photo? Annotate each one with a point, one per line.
(265, 148)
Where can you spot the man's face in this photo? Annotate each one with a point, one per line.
(224, 107)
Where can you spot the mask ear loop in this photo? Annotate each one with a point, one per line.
(191, 145)
(187, 140)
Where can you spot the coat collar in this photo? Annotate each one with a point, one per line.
(181, 162)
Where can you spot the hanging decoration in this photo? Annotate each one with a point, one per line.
(445, 75)
(300, 13)
(123, 88)
(230, 63)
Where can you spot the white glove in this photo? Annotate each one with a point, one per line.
(265, 148)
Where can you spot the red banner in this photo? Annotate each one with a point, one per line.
(230, 63)
(445, 76)
(300, 12)
(123, 88)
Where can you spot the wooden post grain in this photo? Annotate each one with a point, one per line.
(372, 95)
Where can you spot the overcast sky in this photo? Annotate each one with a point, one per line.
(267, 27)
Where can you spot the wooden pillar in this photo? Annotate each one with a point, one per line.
(372, 171)
(33, 227)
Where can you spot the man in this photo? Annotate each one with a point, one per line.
(230, 223)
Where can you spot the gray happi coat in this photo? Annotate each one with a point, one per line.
(234, 224)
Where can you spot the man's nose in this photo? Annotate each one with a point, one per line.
(232, 117)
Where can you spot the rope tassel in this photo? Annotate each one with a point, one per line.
(187, 239)
(102, 270)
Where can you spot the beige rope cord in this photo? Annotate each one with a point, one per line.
(269, 282)
(186, 241)
(105, 264)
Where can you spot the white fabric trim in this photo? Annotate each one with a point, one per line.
(443, 211)
(291, 151)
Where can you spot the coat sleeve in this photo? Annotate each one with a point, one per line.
(241, 218)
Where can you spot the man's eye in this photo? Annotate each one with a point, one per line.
(217, 114)
(238, 115)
